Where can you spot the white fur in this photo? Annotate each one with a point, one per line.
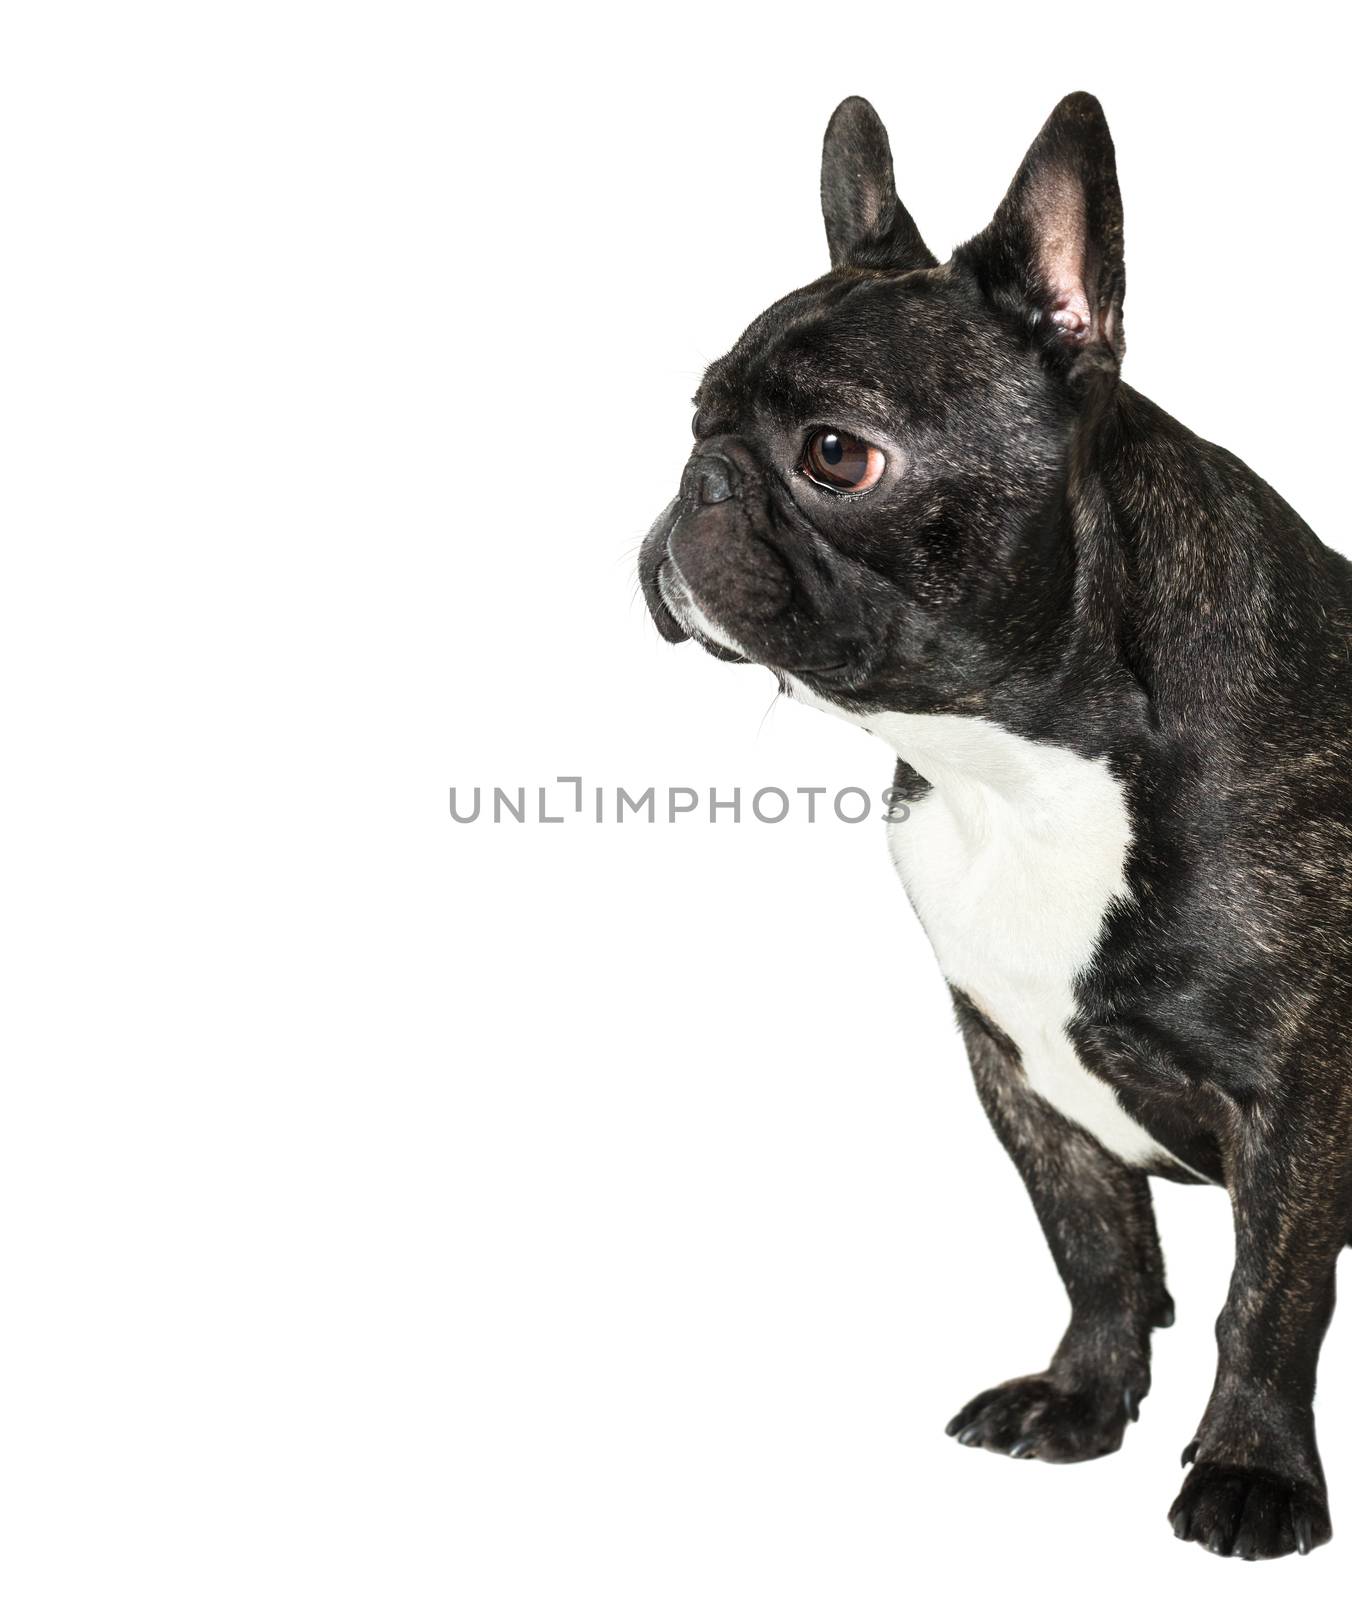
(1012, 861)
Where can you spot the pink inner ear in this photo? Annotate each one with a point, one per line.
(1057, 206)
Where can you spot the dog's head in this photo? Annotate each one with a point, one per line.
(875, 503)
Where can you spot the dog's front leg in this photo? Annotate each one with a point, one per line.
(1257, 1488)
(1098, 1219)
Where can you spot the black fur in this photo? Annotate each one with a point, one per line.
(1050, 551)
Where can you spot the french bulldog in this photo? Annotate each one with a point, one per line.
(1116, 671)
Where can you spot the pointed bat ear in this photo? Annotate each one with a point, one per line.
(866, 225)
(1053, 251)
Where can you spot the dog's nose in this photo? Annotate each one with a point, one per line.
(710, 479)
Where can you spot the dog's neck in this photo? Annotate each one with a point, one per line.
(1216, 587)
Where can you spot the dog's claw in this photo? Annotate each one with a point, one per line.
(1132, 1404)
(1304, 1535)
(1024, 1447)
(1190, 1452)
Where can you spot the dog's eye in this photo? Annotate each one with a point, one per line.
(841, 462)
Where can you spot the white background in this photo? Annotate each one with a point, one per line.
(395, 1208)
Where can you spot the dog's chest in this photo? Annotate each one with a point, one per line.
(1012, 861)
(1012, 874)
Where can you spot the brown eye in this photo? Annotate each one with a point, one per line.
(840, 461)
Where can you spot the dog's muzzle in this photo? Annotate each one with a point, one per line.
(707, 568)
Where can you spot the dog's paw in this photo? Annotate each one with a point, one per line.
(1242, 1511)
(1047, 1419)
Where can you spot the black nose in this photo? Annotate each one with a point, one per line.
(709, 479)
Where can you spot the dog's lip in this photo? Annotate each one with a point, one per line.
(672, 603)
(661, 585)
(669, 625)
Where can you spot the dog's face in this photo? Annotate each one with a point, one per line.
(875, 501)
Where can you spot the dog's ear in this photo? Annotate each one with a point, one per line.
(866, 225)
(1053, 252)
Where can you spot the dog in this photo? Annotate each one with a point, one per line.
(1115, 668)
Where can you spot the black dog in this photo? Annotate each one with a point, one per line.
(1117, 669)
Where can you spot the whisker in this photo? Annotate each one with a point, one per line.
(775, 698)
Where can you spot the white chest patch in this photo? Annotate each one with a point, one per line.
(1012, 860)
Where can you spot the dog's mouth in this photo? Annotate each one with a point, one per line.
(684, 611)
(653, 556)
(676, 600)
